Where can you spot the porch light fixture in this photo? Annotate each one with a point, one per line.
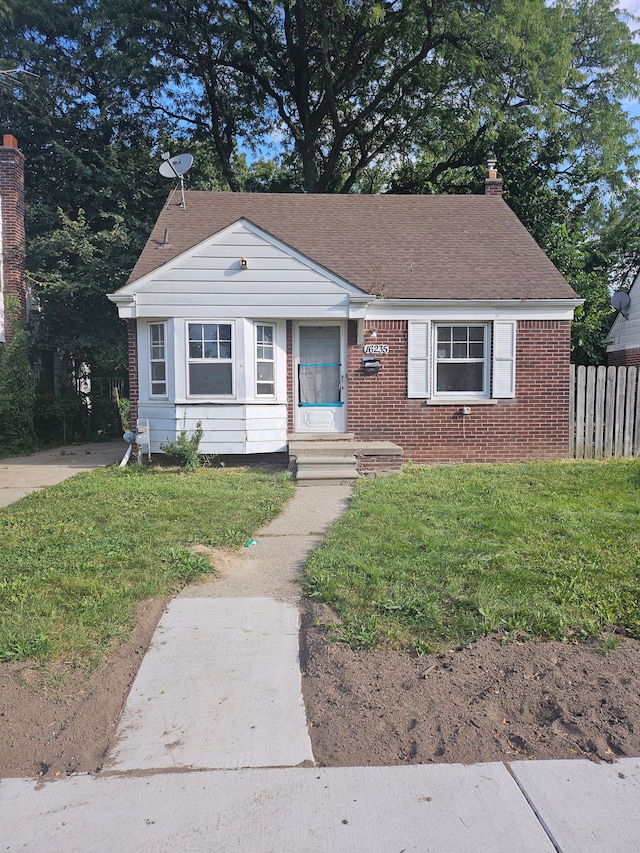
(244, 264)
(373, 333)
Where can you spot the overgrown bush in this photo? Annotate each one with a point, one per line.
(124, 408)
(184, 450)
(17, 395)
(61, 418)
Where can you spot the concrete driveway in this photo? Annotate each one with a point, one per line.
(20, 475)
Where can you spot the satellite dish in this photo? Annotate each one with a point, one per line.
(620, 301)
(175, 167)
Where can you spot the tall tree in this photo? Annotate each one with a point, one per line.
(347, 84)
(92, 190)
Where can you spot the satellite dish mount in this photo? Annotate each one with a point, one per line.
(176, 167)
(620, 301)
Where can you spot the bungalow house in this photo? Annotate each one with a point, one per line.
(423, 328)
(623, 341)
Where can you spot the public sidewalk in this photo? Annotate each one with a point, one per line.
(214, 754)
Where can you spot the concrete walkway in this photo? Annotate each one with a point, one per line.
(213, 751)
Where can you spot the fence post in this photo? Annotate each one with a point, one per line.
(601, 381)
(580, 410)
(620, 397)
(609, 412)
(629, 405)
(636, 437)
(572, 410)
(589, 406)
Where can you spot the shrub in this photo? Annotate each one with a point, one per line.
(184, 450)
(63, 417)
(17, 395)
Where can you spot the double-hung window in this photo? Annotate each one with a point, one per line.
(461, 361)
(461, 354)
(265, 360)
(210, 359)
(157, 360)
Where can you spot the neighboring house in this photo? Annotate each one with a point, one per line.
(623, 341)
(434, 323)
(13, 289)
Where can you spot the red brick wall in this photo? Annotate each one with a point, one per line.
(134, 392)
(13, 236)
(533, 425)
(628, 357)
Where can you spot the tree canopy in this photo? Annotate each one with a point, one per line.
(314, 96)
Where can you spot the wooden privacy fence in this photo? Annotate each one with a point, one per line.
(604, 412)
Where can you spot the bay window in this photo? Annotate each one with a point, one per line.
(157, 360)
(210, 359)
(265, 360)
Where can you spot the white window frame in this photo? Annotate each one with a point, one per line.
(500, 361)
(231, 360)
(260, 359)
(155, 358)
(486, 361)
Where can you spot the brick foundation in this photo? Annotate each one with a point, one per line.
(624, 357)
(533, 425)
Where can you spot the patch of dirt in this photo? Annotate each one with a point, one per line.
(486, 702)
(64, 721)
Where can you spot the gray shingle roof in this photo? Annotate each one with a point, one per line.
(400, 246)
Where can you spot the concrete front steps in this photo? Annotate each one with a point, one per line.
(321, 458)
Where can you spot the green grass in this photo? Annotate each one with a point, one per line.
(75, 558)
(438, 557)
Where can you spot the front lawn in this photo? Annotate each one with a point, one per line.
(75, 558)
(437, 557)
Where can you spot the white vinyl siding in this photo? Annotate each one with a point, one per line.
(504, 359)
(208, 281)
(418, 361)
(157, 360)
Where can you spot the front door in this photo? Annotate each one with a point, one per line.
(320, 378)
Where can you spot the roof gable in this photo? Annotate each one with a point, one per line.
(393, 246)
(239, 271)
(219, 256)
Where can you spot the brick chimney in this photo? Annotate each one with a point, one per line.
(492, 183)
(12, 276)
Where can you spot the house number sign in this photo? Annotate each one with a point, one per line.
(375, 349)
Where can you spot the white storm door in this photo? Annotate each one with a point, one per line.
(320, 378)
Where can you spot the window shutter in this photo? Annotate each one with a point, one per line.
(504, 359)
(418, 359)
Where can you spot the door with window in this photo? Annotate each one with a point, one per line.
(320, 378)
